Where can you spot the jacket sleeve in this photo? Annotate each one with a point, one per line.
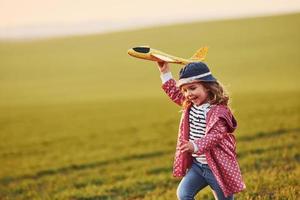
(213, 137)
(173, 92)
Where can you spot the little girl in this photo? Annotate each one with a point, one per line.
(205, 153)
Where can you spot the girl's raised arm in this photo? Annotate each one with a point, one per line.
(169, 84)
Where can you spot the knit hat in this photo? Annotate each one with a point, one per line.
(196, 71)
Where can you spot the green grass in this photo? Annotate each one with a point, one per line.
(80, 119)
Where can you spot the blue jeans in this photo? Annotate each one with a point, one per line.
(197, 178)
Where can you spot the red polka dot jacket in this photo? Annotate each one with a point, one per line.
(218, 145)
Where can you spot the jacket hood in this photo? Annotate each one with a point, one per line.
(223, 112)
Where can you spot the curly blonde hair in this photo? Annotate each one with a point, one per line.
(216, 94)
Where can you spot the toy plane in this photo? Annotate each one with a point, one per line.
(147, 53)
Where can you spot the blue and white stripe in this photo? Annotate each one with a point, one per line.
(197, 122)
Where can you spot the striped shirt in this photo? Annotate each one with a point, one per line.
(197, 119)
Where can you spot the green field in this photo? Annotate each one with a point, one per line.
(82, 120)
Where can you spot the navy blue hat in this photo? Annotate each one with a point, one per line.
(196, 71)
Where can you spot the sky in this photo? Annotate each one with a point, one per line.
(43, 18)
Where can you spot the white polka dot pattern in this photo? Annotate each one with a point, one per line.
(173, 92)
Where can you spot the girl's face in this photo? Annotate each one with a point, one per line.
(195, 92)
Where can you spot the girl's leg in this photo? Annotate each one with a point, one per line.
(212, 182)
(191, 183)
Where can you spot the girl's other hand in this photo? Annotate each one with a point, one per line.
(163, 67)
(186, 146)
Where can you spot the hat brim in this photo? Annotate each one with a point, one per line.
(184, 81)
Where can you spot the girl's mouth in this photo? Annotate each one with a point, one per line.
(193, 98)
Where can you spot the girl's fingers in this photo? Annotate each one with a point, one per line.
(183, 148)
(183, 141)
(161, 64)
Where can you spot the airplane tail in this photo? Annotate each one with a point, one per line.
(200, 54)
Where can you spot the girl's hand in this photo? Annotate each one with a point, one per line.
(186, 146)
(163, 67)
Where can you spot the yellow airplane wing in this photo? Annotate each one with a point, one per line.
(147, 53)
(162, 57)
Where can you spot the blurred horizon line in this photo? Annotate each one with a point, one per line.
(54, 30)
